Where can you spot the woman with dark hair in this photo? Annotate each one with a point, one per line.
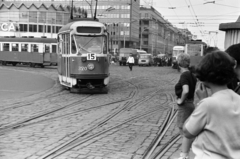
(215, 120)
(234, 51)
(184, 91)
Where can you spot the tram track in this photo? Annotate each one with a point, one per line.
(107, 118)
(25, 122)
(45, 97)
(154, 151)
(103, 127)
(83, 136)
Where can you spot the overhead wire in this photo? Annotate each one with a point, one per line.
(173, 10)
(197, 23)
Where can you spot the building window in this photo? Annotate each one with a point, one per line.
(24, 47)
(54, 48)
(49, 29)
(23, 27)
(33, 16)
(34, 48)
(53, 29)
(59, 18)
(42, 17)
(57, 29)
(146, 15)
(14, 47)
(5, 46)
(23, 15)
(32, 28)
(40, 28)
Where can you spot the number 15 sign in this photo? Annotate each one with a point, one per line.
(91, 56)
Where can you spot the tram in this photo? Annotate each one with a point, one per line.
(28, 51)
(196, 50)
(177, 50)
(83, 56)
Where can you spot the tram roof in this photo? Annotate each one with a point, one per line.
(84, 22)
(28, 40)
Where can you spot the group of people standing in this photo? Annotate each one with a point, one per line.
(212, 126)
(162, 61)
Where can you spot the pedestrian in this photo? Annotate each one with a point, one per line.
(215, 121)
(130, 61)
(234, 51)
(184, 90)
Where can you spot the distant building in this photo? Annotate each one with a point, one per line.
(157, 35)
(37, 20)
(121, 18)
(232, 32)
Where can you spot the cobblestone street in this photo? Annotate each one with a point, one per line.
(119, 125)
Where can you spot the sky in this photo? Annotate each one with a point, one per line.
(200, 17)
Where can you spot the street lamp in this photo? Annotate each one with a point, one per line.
(141, 37)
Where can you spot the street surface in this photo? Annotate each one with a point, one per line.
(18, 84)
(51, 122)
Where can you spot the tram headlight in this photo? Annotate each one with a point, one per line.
(90, 66)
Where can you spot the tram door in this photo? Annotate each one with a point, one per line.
(65, 60)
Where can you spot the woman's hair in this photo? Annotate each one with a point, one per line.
(183, 60)
(217, 68)
(209, 50)
(234, 51)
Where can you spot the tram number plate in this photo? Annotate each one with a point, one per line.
(91, 56)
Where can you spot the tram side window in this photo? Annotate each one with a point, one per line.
(66, 38)
(74, 48)
(24, 47)
(54, 48)
(6, 46)
(105, 45)
(14, 47)
(67, 43)
(34, 48)
(47, 48)
(60, 44)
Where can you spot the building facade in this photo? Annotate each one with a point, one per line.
(129, 25)
(121, 18)
(157, 35)
(34, 19)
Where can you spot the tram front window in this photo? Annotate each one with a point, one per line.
(88, 44)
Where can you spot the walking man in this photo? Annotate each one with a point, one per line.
(130, 61)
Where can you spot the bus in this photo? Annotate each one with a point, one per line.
(177, 50)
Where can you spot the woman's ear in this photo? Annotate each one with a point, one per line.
(235, 66)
